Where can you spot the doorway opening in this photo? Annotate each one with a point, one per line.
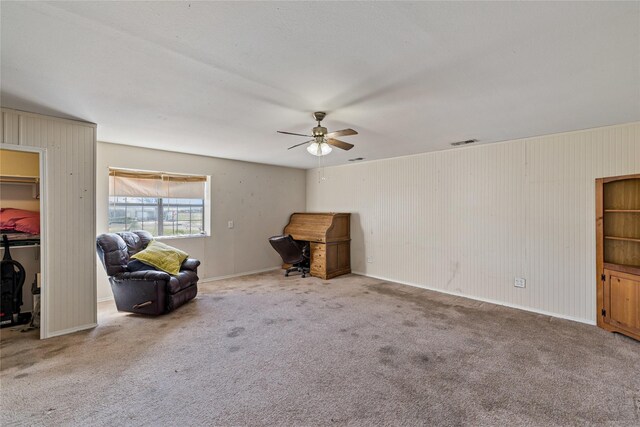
(23, 230)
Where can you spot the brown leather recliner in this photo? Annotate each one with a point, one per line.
(146, 291)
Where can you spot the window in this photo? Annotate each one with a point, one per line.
(164, 204)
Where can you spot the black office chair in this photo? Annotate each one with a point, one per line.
(292, 252)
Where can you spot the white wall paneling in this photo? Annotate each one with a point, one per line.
(468, 221)
(68, 210)
(257, 198)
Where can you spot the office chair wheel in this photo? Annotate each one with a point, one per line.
(303, 276)
(286, 274)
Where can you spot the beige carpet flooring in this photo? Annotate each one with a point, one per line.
(269, 350)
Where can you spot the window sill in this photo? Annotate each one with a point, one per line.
(186, 236)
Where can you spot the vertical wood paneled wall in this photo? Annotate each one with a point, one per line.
(468, 221)
(69, 288)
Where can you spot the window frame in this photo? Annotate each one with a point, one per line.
(159, 207)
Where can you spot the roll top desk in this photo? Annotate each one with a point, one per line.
(329, 237)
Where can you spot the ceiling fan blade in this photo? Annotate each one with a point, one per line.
(296, 134)
(343, 132)
(339, 144)
(302, 143)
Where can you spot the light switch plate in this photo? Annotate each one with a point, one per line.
(520, 282)
(230, 224)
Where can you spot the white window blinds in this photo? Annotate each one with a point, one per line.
(125, 182)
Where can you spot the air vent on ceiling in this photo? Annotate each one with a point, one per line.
(468, 141)
(357, 159)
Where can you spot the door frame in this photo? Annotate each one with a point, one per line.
(44, 247)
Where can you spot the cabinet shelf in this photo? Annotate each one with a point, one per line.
(631, 269)
(625, 239)
(622, 211)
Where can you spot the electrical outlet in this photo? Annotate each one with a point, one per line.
(520, 282)
(230, 224)
(370, 259)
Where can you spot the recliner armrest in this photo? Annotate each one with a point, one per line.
(190, 264)
(147, 275)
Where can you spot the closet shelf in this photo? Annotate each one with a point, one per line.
(622, 210)
(14, 179)
(626, 239)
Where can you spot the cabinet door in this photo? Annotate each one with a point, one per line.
(344, 255)
(622, 301)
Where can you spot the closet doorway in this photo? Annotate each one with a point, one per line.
(23, 232)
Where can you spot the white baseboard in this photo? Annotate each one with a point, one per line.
(506, 304)
(70, 330)
(230, 276)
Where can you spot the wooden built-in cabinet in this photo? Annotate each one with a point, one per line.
(618, 254)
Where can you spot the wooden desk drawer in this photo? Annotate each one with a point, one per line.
(317, 249)
(318, 259)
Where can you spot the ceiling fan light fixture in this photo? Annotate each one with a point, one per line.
(319, 149)
(323, 141)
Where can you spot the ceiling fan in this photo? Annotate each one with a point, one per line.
(322, 141)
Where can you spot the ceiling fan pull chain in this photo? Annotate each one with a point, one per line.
(321, 176)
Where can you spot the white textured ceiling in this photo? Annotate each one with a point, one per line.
(220, 78)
